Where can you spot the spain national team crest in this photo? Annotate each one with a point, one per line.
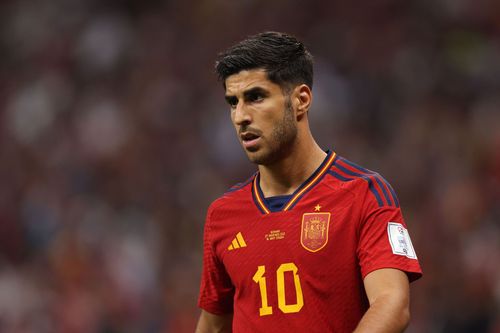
(314, 233)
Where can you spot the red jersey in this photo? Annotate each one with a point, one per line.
(302, 267)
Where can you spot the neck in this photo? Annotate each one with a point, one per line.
(286, 175)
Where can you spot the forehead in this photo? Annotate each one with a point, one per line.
(248, 79)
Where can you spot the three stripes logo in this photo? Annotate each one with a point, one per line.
(237, 242)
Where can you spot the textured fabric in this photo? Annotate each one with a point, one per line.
(302, 268)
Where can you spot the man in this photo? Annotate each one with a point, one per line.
(312, 242)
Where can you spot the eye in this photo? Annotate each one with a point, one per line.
(255, 97)
(232, 101)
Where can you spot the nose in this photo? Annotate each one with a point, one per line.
(241, 114)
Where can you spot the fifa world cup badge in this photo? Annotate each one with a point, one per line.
(314, 232)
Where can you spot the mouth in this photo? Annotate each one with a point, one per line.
(249, 139)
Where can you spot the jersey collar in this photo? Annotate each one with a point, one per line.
(258, 196)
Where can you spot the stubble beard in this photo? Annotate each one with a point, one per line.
(281, 140)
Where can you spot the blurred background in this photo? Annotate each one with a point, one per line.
(115, 138)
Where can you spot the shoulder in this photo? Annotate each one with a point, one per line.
(233, 197)
(360, 180)
(235, 189)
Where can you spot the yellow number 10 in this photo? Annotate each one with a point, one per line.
(280, 278)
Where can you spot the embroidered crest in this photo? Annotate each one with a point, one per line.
(314, 232)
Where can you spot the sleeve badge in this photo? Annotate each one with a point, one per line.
(400, 240)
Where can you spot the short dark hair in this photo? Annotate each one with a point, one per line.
(283, 57)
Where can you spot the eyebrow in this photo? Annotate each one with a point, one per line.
(256, 90)
(248, 93)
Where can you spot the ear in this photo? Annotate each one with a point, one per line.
(302, 98)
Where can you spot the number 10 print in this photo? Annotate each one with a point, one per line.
(280, 280)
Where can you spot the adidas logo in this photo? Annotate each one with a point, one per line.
(237, 242)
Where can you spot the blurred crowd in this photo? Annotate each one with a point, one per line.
(114, 140)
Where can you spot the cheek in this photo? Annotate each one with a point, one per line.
(232, 118)
(272, 117)
(235, 126)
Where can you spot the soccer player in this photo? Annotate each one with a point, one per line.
(311, 242)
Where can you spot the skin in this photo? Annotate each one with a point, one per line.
(388, 291)
(273, 129)
(211, 323)
(285, 152)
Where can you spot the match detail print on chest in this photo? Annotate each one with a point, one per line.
(311, 228)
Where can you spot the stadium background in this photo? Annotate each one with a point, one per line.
(115, 138)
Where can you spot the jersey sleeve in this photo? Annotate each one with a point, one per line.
(384, 241)
(216, 289)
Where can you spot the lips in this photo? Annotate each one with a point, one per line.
(249, 139)
(247, 136)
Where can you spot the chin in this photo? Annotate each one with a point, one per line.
(261, 157)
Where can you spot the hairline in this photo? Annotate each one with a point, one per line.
(285, 87)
